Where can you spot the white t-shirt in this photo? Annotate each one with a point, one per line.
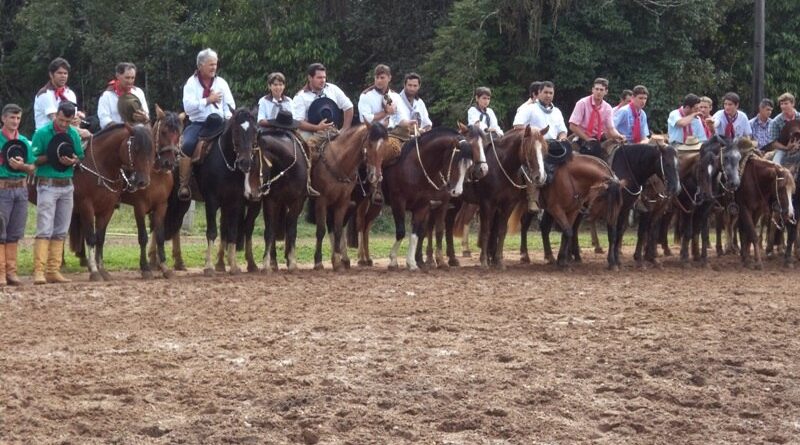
(406, 110)
(304, 98)
(268, 107)
(370, 103)
(108, 109)
(195, 106)
(485, 120)
(47, 103)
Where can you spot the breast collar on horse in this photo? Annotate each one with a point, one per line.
(127, 185)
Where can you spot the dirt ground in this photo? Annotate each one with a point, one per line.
(527, 356)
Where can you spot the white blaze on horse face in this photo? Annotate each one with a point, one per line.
(710, 170)
(245, 125)
(411, 262)
(463, 166)
(247, 190)
(789, 200)
(483, 166)
(540, 162)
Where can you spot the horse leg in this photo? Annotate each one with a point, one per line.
(369, 219)
(418, 220)
(157, 227)
(211, 235)
(441, 228)
(337, 238)
(574, 248)
(525, 224)
(686, 223)
(502, 230)
(791, 237)
(595, 241)
(704, 236)
(269, 234)
(361, 227)
(399, 215)
(719, 223)
(90, 237)
(101, 224)
(290, 244)
(449, 224)
(251, 212)
(177, 254)
(321, 213)
(141, 229)
(545, 226)
(645, 218)
(748, 236)
(485, 229)
(429, 228)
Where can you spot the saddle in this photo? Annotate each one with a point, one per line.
(558, 153)
(212, 129)
(398, 136)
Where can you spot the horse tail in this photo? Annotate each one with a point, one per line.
(311, 211)
(613, 201)
(76, 234)
(515, 220)
(352, 229)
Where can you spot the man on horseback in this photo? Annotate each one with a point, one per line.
(481, 115)
(624, 99)
(760, 123)
(533, 94)
(207, 100)
(706, 105)
(379, 103)
(788, 113)
(631, 120)
(57, 148)
(685, 121)
(317, 87)
(122, 101)
(411, 111)
(16, 162)
(275, 102)
(730, 121)
(53, 93)
(592, 116)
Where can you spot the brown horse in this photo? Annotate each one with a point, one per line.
(764, 185)
(431, 167)
(502, 189)
(334, 176)
(118, 159)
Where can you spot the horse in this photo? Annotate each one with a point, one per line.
(764, 185)
(220, 180)
(118, 159)
(503, 187)
(704, 176)
(276, 184)
(431, 167)
(334, 175)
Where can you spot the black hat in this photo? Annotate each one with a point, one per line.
(212, 127)
(127, 105)
(325, 108)
(12, 149)
(60, 145)
(284, 119)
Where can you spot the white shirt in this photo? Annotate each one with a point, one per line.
(474, 115)
(527, 115)
(304, 97)
(47, 103)
(407, 109)
(371, 103)
(535, 116)
(108, 110)
(195, 106)
(268, 107)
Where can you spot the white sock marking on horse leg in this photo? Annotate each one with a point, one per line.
(411, 262)
(209, 254)
(232, 256)
(393, 253)
(91, 259)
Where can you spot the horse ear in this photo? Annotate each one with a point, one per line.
(159, 112)
(544, 130)
(462, 128)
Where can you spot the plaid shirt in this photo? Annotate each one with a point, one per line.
(761, 131)
(777, 124)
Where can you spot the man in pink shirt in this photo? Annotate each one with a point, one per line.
(592, 117)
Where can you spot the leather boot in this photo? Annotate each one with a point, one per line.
(184, 175)
(2, 265)
(40, 247)
(310, 190)
(532, 192)
(54, 254)
(11, 265)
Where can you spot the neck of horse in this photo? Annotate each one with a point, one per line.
(280, 152)
(511, 158)
(346, 153)
(648, 165)
(435, 157)
(104, 152)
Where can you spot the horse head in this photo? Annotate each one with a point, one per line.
(167, 130)
(668, 164)
(373, 155)
(477, 139)
(784, 191)
(138, 151)
(533, 149)
(242, 133)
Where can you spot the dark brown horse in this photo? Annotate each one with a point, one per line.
(277, 184)
(764, 185)
(334, 176)
(502, 189)
(431, 167)
(118, 159)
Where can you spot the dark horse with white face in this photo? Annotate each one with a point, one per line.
(220, 178)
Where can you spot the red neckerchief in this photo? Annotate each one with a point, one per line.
(595, 120)
(729, 133)
(206, 88)
(10, 136)
(687, 129)
(637, 125)
(58, 129)
(60, 92)
(114, 85)
(706, 128)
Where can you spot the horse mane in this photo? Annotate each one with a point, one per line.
(108, 129)
(172, 120)
(424, 138)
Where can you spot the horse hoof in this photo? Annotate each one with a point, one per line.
(613, 267)
(219, 267)
(106, 276)
(168, 274)
(758, 266)
(179, 266)
(641, 265)
(550, 260)
(291, 268)
(83, 262)
(598, 250)
(720, 252)
(147, 274)
(95, 276)
(500, 266)
(442, 265)
(346, 264)
(319, 266)
(394, 267)
(788, 264)
(525, 259)
(667, 252)
(686, 265)
(365, 263)
(252, 268)
(466, 254)
(577, 260)
(235, 270)
(338, 267)
(453, 262)
(209, 272)
(413, 268)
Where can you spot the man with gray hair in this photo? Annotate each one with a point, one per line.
(122, 88)
(204, 94)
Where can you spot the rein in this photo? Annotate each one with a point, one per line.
(446, 180)
(500, 164)
(265, 188)
(102, 179)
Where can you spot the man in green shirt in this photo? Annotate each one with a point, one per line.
(16, 161)
(54, 194)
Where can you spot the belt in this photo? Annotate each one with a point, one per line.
(9, 183)
(55, 182)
